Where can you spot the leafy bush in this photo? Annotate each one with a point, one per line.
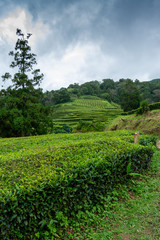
(154, 106)
(62, 129)
(145, 140)
(88, 126)
(129, 112)
(43, 186)
(150, 107)
(148, 140)
(144, 108)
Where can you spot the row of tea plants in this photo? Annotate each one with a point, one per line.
(45, 181)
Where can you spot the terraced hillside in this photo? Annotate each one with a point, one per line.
(87, 109)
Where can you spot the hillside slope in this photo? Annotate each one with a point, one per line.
(87, 109)
(148, 123)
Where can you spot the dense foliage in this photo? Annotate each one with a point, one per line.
(126, 92)
(21, 112)
(62, 128)
(129, 96)
(90, 126)
(48, 180)
(56, 97)
(144, 108)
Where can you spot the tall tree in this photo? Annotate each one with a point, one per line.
(21, 113)
(129, 95)
(107, 84)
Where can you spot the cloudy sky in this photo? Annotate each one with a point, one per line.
(83, 40)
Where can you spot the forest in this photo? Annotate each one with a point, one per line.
(126, 92)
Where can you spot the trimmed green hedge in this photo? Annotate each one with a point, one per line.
(140, 110)
(40, 191)
(154, 106)
(145, 140)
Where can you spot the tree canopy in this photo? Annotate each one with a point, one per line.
(21, 113)
(125, 92)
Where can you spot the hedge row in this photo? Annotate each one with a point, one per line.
(44, 189)
(140, 110)
(154, 106)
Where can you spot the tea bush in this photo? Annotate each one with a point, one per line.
(89, 126)
(144, 108)
(45, 181)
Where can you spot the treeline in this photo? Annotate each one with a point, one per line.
(126, 92)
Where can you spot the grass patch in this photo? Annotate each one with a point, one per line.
(148, 123)
(131, 212)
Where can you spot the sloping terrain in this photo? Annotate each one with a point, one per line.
(148, 123)
(87, 109)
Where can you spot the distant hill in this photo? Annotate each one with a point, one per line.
(87, 108)
(109, 90)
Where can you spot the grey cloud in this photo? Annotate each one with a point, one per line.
(127, 31)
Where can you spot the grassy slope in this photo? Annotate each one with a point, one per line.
(139, 216)
(132, 212)
(148, 123)
(85, 109)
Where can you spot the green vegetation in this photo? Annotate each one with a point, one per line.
(49, 181)
(85, 109)
(86, 126)
(148, 123)
(21, 113)
(131, 211)
(144, 108)
(125, 92)
(129, 96)
(25, 110)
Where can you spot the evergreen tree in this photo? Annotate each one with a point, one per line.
(21, 113)
(129, 95)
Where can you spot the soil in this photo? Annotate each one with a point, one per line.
(158, 144)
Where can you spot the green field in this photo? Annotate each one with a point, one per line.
(87, 109)
(48, 181)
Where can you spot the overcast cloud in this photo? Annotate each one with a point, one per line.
(84, 40)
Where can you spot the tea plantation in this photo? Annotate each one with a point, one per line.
(45, 181)
(86, 109)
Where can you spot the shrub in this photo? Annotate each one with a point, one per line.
(89, 126)
(144, 108)
(62, 129)
(154, 106)
(43, 188)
